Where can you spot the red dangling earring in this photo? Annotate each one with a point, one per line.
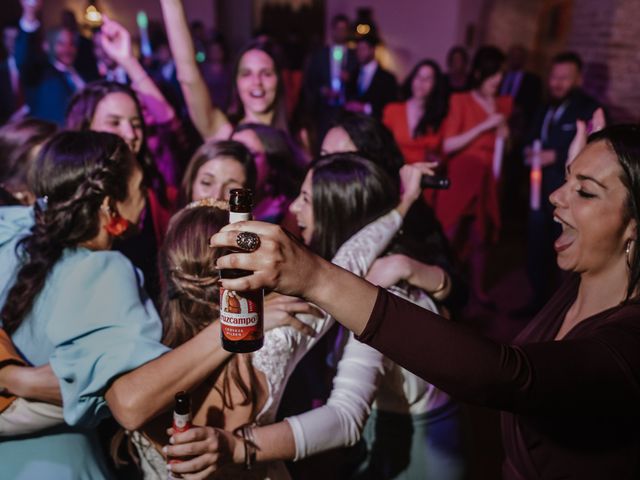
(117, 225)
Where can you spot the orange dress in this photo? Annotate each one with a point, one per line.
(413, 149)
(416, 149)
(473, 190)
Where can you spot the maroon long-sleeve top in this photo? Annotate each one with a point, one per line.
(571, 408)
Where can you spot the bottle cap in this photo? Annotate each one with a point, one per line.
(183, 403)
(241, 196)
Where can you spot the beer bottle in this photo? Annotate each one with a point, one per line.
(181, 422)
(241, 313)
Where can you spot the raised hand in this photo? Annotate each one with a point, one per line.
(410, 176)
(116, 41)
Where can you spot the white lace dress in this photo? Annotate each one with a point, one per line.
(285, 346)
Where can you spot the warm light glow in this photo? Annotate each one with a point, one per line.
(536, 176)
(363, 28)
(92, 15)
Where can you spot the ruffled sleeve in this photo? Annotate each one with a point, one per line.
(359, 252)
(284, 346)
(102, 325)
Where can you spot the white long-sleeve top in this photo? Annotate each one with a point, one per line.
(365, 378)
(284, 347)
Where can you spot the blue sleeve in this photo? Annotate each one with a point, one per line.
(102, 326)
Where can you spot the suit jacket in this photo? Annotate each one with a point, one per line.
(47, 90)
(525, 103)
(383, 89)
(560, 132)
(317, 75)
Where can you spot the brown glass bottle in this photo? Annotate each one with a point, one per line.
(241, 313)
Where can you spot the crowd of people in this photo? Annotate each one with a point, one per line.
(115, 173)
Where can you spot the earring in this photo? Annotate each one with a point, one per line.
(627, 252)
(117, 225)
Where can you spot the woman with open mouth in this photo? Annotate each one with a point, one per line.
(258, 89)
(568, 387)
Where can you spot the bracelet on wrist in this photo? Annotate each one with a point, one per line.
(250, 448)
(443, 284)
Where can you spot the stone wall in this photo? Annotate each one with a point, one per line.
(606, 34)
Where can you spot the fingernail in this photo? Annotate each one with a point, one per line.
(171, 440)
(169, 466)
(165, 449)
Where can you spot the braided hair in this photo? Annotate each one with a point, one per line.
(74, 171)
(190, 290)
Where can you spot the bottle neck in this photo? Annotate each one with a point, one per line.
(239, 216)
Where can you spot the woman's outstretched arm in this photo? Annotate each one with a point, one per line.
(116, 42)
(206, 117)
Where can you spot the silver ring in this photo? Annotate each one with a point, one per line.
(248, 241)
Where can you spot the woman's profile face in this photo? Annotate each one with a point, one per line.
(257, 82)
(423, 82)
(591, 209)
(217, 177)
(337, 140)
(117, 113)
(302, 208)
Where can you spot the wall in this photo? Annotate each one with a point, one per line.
(125, 11)
(604, 32)
(414, 29)
(606, 36)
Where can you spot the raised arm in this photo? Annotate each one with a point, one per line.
(116, 42)
(206, 117)
(30, 57)
(572, 375)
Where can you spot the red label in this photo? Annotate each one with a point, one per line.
(241, 314)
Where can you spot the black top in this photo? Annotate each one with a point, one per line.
(573, 403)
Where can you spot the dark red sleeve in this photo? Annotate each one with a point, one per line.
(596, 372)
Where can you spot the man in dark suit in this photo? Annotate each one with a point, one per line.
(374, 86)
(11, 98)
(554, 125)
(326, 75)
(49, 79)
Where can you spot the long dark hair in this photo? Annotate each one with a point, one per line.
(286, 161)
(75, 171)
(349, 192)
(210, 150)
(436, 104)
(190, 289)
(79, 116)
(624, 140)
(236, 111)
(487, 61)
(373, 140)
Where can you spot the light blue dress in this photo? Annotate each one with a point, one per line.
(92, 322)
